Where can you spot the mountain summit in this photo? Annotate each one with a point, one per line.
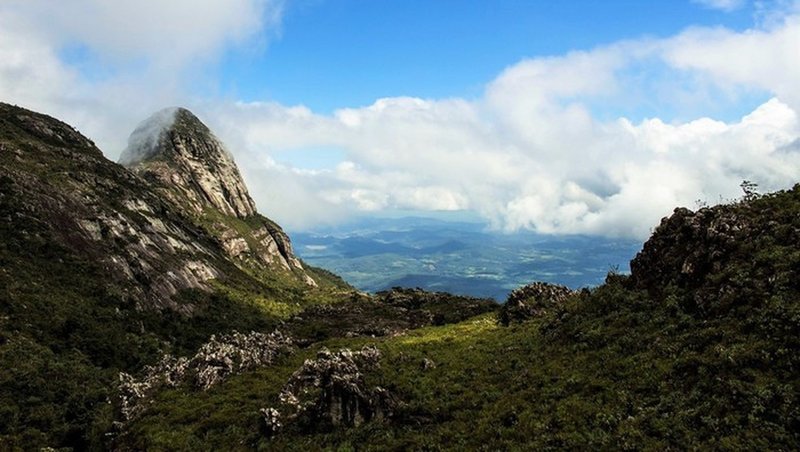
(176, 148)
(188, 164)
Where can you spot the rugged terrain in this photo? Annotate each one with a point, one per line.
(152, 308)
(694, 350)
(105, 269)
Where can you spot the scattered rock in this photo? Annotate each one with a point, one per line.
(219, 358)
(272, 421)
(331, 391)
(234, 353)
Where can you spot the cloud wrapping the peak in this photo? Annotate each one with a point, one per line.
(106, 65)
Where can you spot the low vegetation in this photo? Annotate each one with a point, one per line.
(696, 349)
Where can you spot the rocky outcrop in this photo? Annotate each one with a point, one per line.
(687, 246)
(722, 256)
(58, 183)
(443, 307)
(219, 358)
(178, 150)
(531, 301)
(331, 391)
(387, 313)
(182, 159)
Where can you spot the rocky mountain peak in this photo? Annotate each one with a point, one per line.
(176, 149)
(182, 160)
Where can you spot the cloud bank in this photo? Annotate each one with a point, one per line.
(534, 152)
(555, 144)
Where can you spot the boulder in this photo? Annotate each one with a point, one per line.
(330, 391)
(532, 300)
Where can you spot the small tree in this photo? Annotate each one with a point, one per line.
(750, 190)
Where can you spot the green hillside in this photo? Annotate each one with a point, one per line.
(132, 320)
(668, 358)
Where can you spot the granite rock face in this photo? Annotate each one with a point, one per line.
(57, 183)
(177, 149)
(183, 160)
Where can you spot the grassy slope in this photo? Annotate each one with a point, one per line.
(617, 367)
(611, 370)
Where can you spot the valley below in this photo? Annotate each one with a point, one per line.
(464, 258)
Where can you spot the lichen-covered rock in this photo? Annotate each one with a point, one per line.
(272, 420)
(222, 356)
(233, 353)
(331, 391)
(133, 394)
(532, 301)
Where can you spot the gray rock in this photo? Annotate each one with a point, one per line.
(222, 356)
(183, 160)
(331, 390)
(532, 300)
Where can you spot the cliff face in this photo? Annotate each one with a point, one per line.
(183, 160)
(178, 150)
(56, 182)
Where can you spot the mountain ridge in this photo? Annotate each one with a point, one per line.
(127, 324)
(181, 158)
(105, 271)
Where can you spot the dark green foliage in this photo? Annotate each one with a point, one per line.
(443, 307)
(696, 349)
(384, 314)
(625, 366)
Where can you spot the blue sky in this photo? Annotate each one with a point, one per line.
(588, 117)
(331, 54)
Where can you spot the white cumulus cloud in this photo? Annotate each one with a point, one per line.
(547, 146)
(534, 153)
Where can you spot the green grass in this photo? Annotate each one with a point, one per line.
(610, 369)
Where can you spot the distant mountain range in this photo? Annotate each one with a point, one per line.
(459, 257)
